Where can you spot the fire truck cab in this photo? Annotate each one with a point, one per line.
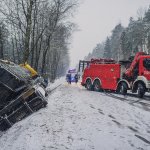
(107, 74)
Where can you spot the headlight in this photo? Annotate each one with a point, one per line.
(40, 90)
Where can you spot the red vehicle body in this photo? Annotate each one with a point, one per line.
(107, 74)
(104, 74)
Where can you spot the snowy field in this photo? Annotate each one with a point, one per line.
(77, 119)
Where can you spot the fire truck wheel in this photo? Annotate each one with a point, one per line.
(97, 86)
(89, 85)
(141, 90)
(123, 88)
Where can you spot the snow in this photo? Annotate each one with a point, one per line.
(57, 82)
(77, 119)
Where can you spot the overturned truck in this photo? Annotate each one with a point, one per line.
(19, 94)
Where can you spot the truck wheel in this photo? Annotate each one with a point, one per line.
(89, 85)
(123, 88)
(141, 90)
(97, 86)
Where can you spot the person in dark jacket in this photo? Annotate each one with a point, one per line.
(76, 78)
(68, 78)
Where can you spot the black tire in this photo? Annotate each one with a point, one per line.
(4, 126)
(19, 115)
(36, 104)
(122, 89)
(141, 90)
(89, 85)
(97, 86)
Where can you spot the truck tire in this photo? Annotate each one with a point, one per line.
(141, 90)
(89, 85)
(122, 89)
(97, 86)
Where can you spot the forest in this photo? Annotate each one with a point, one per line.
(37, 32)
(126, 41)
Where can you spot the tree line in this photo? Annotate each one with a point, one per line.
(37, 32)
(126, 41)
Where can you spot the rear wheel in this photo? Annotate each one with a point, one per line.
(122, 89)
(89, 85)
(97, 86)
(141, 90)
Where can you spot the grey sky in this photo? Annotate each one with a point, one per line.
(96, 19)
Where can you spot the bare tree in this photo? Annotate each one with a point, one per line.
(3, 38)
(38, 31)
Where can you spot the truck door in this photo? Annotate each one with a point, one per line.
(145, 68)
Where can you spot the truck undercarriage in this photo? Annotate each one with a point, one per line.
(19, 94)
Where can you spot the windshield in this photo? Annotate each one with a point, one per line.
(18, 71)
(22, 72)
(146, 63)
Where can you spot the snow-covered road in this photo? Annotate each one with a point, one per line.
(77, 119)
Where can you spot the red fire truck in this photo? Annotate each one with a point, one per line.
(107, 74)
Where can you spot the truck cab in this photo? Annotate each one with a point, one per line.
(137, 76)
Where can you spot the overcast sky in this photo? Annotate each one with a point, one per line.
(96, 19)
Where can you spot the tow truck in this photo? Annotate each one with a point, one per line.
(108, 74)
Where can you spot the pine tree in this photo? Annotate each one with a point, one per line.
(107, 49)
(125, 45)
(115, 41)
(132, 39)
(147, 28)
(147, 16)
